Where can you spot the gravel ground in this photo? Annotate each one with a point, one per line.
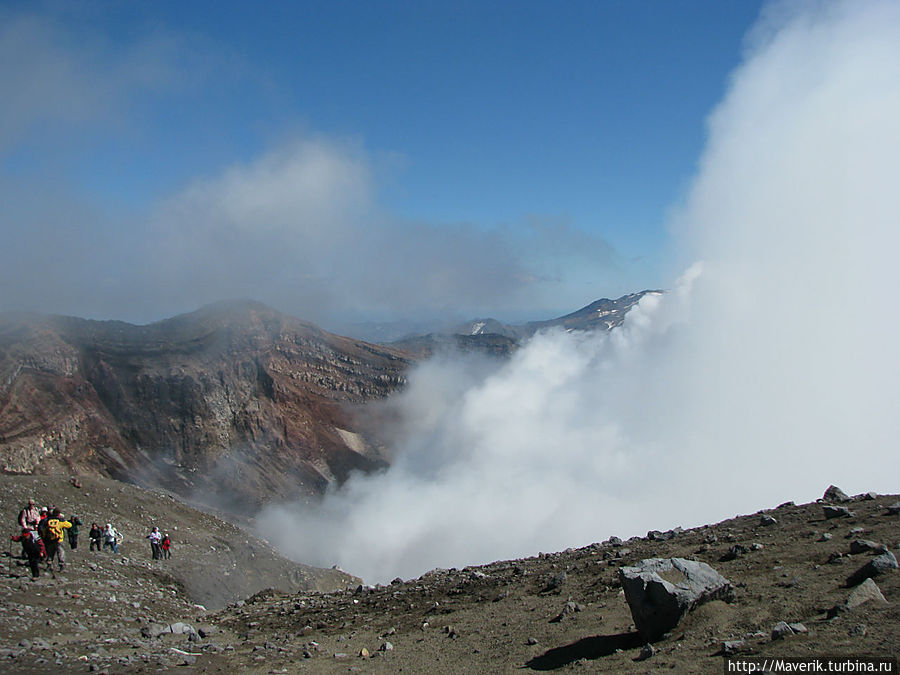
(561, 611)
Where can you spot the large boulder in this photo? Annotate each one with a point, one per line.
(835, 494)
(661, 591)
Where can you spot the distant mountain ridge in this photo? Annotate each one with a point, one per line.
(498, 338)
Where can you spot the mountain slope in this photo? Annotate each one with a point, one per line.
(235, 399)
(560, 611)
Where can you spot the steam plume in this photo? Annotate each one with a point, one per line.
(769, 371)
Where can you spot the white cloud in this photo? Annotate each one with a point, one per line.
(57, 84)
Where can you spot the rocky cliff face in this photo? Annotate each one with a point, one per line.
(234, 400)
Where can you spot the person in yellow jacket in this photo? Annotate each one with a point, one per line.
(56, 527)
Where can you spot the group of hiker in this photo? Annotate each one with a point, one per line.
(44, 531)
(160, 544)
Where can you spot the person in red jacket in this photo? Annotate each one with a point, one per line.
(28, 519)
(34, 549)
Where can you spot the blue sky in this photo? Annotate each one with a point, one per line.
(545, 142)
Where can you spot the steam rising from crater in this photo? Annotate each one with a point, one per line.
(769, 370)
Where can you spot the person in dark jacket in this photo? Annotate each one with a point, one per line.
(72, 532)
(96, 535)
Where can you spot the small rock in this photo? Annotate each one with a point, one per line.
(386, 647)
(647, 651)
(180, 628)
(825, 537)
(569, 609)
(866, 546)
(798, 628)
(859, 630)
(781, 631)
(767, 520)
(364, 653)
(734, 552)
(867, 591)
(894, 509)
(531, 641)
(837, 512)
(733, 647)
(876, 566)
(835, 494)
(556, 581)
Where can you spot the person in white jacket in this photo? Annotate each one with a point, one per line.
(155, 538)
(111, 538)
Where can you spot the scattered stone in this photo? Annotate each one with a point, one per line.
(837, 512)
(656, 535)
(781, 631)
(868, 496)
(661, 591)
(569, 609)
(647, 651)
(859, 630)
(767, 520)
(866, 546)
(894, 509)
(867, 591)
(855, 532)
(735, 551)
(386, 647)
(835, 494)
(364, 653)
(531, 641)
(613, 541)
(825, 537)
(555, 582)
(876, 566)
(734, 647)
(798, 628)
(155, 630)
